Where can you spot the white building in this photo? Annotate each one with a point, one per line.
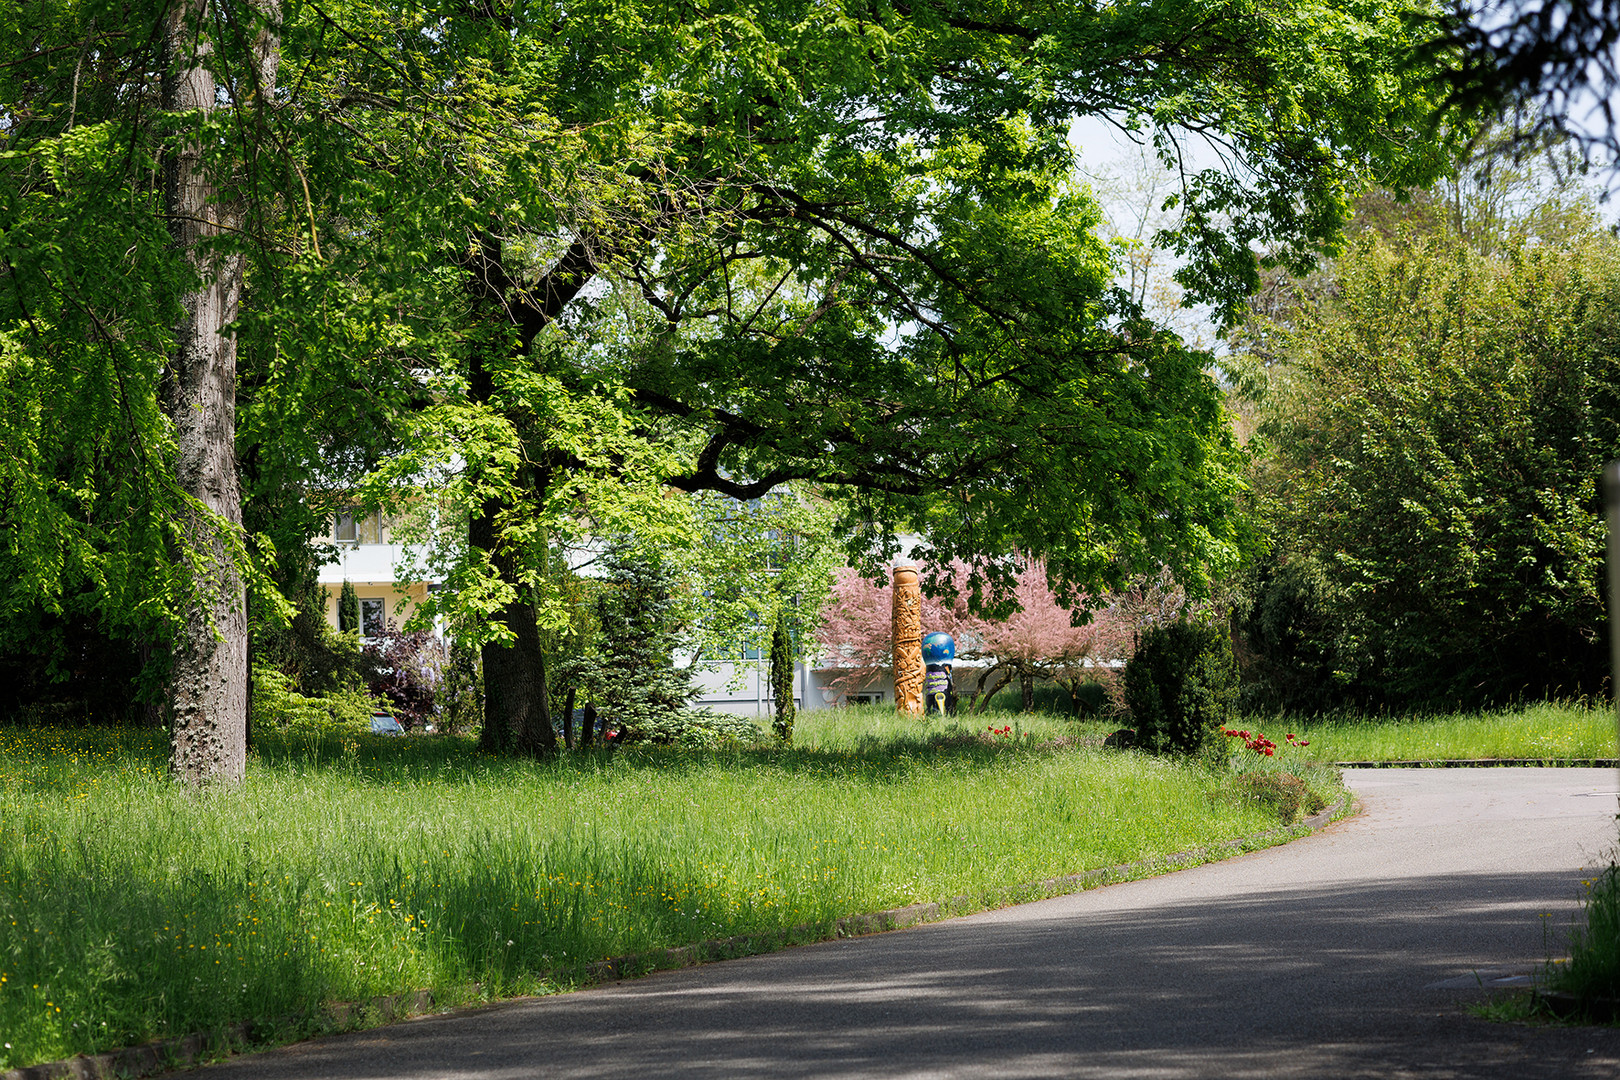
(369, 559)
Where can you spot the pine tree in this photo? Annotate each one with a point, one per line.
(642, 693)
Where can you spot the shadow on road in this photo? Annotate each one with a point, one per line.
(1327, 981)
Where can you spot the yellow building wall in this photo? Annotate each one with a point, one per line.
(401, 601)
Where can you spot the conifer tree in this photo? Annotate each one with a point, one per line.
(642, 692)
(782, 678)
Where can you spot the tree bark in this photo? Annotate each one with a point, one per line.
(209, 681)
(517, 713)
(517, 709)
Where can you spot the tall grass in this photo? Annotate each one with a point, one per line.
(858, 726)
(130, 909)
(1557, 730)
(1593, 970)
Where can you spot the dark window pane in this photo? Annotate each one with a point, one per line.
(372, 616)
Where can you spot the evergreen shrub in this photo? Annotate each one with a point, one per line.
(704, 729)
(1181, 688)
(349, 609)
(277, 704)
(782, 680)
(640, 691)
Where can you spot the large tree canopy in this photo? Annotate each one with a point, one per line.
(1438, 416)
(554, 257)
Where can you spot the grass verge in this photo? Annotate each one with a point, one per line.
(1555, 730)
(1587, 986)
(345, 870)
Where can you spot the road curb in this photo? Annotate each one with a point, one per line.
(187, 1051)
(878, 922)
(1485, 763)
(1577, 1009)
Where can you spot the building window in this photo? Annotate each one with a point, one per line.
(353, 526)
(868, 697)
(373, 617)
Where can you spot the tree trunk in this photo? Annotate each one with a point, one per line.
(1027, 684)
(517, 713)
(209, 687)
(981, 703)
(568, 719)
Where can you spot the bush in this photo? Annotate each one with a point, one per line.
(461, 695)
(1052, 698)
(1090, 699)
(277, 704)
(707, 729)
(1181, 687)
(404, 671)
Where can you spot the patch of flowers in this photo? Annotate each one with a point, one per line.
(1260, 744)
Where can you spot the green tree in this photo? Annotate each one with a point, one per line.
(560, 256)
(637, 685)
(1551, 66)
(1181, 686)
(348, 605)
(748, 566)
(127, 208)
(781, 676)
(1439, 420)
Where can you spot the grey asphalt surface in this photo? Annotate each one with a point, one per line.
(1351, 953)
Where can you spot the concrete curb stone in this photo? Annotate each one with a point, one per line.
(1485, 763)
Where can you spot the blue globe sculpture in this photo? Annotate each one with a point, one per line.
(938, 648)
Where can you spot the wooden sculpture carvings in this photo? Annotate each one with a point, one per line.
(908, 661)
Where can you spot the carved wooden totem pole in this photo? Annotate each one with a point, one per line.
(908, 661)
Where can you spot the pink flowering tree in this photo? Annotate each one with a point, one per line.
(1037, 641)
(855, 636)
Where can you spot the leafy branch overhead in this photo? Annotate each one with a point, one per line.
(544, 261)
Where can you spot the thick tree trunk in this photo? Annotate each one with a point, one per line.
(209, 687)
(517, 712)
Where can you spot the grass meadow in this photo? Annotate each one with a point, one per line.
(132, 910)
(1556, 730)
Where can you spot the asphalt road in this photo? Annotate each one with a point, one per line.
(1348, 954)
